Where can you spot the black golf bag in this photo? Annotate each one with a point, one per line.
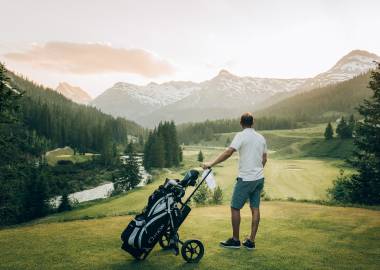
(161, 219)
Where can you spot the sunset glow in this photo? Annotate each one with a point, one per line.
(94, 44)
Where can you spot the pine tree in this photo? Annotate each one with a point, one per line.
(65, 204)
(141, 140)
(163, 133)
(130, 174)
(203, 194)
(106, 154)
(130, 149)
(158, 152)
(366, 183)
(175, 149)
(147, 158)
(343, 130)
(217, 195)
(115, 153)
(200, 156)
(132, 170)
(351, 125)
(329, 132)
(36, 200)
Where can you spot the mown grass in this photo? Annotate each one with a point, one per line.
(297, 178)
(291, 236)
(301, 143)
(66, 153)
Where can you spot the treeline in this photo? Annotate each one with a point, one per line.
(63, 122)
(344, 129)
(195, 132)
(161, 148)
(323, 104)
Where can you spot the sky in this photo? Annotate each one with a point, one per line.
(93, 44)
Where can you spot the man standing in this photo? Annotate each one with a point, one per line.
(252, 150)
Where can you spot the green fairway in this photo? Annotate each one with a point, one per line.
(299, 179)
(302, 143)
(291, 236)
(296, 178)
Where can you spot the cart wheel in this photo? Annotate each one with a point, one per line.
(192, 251)
(165, 241)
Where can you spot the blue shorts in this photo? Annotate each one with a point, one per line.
(245, 190)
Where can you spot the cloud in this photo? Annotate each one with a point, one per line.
(92, 58)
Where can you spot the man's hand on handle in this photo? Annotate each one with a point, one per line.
(206, 165)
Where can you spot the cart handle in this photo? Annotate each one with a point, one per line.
(196, 188)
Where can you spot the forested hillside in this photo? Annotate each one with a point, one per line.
(322, 104)
(64, 122)
(195, 132)
(33, 120)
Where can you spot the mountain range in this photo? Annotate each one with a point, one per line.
(73, 93)
(224, 96)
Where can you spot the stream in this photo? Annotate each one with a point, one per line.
(104, 190)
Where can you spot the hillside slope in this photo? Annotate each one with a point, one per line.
(322, 104)
(65, 122)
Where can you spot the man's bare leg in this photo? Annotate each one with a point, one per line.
(235, 220)
(255, 222)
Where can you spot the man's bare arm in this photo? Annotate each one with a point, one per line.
(222, 157)
(264, 159)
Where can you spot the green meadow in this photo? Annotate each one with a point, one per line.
(66, 153)
(292, 234)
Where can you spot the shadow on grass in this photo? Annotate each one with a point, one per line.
(162, 259)
(165, 259)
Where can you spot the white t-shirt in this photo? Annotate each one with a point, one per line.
(251, 147)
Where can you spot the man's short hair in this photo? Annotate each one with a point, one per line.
(246, 120)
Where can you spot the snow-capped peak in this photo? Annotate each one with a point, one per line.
(155, 94)
(352, 64)
(356, 62)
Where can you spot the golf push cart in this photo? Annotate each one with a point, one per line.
(160, 220)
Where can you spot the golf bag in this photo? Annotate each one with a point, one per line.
(161, 219)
